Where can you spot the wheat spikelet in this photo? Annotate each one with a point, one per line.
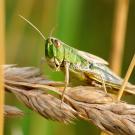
(84, 102)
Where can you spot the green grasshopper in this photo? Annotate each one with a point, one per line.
(84, 65)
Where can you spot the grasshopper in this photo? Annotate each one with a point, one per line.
(62, 57)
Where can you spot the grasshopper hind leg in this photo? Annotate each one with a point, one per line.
(66, 65)
(103, 83)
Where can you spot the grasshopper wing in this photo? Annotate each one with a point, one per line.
(91, 57)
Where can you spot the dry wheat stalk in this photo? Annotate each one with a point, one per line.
(85, 102)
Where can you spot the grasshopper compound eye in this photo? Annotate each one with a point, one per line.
(57, 43)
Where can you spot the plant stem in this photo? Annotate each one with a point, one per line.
(2, 33)
(118, 35)
(130, 69)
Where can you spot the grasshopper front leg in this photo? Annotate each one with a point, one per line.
(66, 66)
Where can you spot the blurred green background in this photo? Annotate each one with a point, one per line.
(84, 24)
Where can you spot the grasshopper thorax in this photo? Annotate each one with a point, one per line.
(54, 52)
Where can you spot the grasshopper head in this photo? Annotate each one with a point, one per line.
(54, 52)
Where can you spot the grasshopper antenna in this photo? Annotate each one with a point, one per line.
(52, 31)
(41, 34)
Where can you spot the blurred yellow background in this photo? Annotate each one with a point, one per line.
(84, 24)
